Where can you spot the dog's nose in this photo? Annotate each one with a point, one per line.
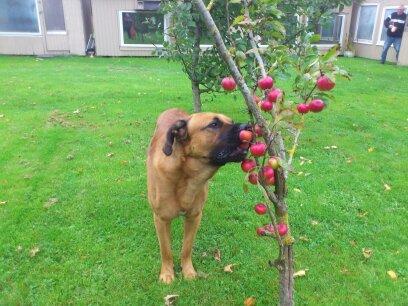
(244, 126)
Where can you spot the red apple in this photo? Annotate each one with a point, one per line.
(261, 208)
(267, 172)
(258, 130)
(266, 105)
(324, 83)
(270, 180)
(258, 149)
(228, 83)
(265, 83)
(273, 162)
(303, 108)
(282, 229)
(247, 165)
(274, 94)
(316, 105)
(245, 136)
(260, 231)
(253, 178)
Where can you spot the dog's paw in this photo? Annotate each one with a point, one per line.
(166, 277)
(189, 273)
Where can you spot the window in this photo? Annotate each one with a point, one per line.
(142, 27)
(366, 18)
(19, 17)
(327, 29)
(386, 13)
(54, 16)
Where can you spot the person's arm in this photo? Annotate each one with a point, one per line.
(387, 22)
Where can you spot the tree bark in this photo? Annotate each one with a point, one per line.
(196, 96)
(195, 84)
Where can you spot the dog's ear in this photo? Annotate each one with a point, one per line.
(177, 131)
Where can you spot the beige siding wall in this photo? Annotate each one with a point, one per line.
(106, 28)
(373, 50)
(73, 42)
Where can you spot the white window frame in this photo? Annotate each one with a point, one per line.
(146, 46)
(379, 41)
(39, 33)
(365, 41)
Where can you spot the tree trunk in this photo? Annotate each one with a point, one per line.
(195, 84)
(196, 96)
(285, 268)
(285, 263)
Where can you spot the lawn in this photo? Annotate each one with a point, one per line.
(76, 227)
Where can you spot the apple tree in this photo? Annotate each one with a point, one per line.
(252, 45)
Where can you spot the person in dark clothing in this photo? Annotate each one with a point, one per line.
(395, 28)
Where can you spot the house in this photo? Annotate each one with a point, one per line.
(136, 28)
(43, 27)
(368, 33)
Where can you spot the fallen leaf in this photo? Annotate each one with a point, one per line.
(353, 243)
(362, 213)
(76, 112)
(204, 254)
(170, 299)
(202, 274)
(250, 301)
(387, 187)
(110, 143)
(367, 253)
(300, 173)
(345, 271)
(300, 273)
(333, 147)
(1, 115)
(34, 251)
(349, 160)
(19, 248)
(3, 202)
(70, 157)
(307, 174)
(303, 238)
(371, 149)
(228, 268)
(124, 162)
(110, 154)
(245, 188)
(314, 222)
(297, 190)
(217, 255)
(51, 202)
(327, 148)
(392, 274)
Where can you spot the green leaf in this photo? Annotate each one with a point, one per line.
(330, 54)
(238, 20)
(315, 38)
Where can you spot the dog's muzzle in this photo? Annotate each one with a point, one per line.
(229, 150)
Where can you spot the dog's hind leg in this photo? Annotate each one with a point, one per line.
(163, 233)
(191, 225)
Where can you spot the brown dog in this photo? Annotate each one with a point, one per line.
(184, 153)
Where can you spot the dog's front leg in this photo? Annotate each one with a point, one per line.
(191, 225)
(163, 233)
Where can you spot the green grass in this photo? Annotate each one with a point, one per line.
(97, 244)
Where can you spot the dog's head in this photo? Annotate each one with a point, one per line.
(208, 136)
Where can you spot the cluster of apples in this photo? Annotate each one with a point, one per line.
(268, 229)
(267, 173)
(323, 83)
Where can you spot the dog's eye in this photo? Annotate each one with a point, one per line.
(215, 124)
